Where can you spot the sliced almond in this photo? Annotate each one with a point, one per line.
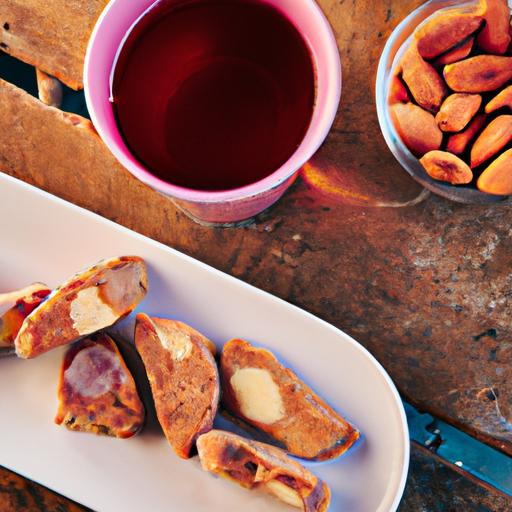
(50, 90)
(458, 142)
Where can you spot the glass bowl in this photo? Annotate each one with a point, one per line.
(390, 56)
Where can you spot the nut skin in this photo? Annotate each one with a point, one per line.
(457, 111)
(496, 135)
(422, 79)
(461, 51)
(255, 465)
(501, 100)
(478, 74)
(458, 142)
(495, 35)
(497, 178)
(310, 428)
(445, 30)
(416, 127)
(443, 166)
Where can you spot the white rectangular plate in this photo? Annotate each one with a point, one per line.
(43, 238)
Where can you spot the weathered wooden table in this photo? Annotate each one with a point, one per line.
(425, 284)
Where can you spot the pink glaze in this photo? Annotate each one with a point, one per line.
(219, 206)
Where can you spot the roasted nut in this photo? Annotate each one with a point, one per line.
(416, 127)
(423, 81)
(457, 111)
(458, 142)
(502, 99)
(495, 36)
(497, 178)
(397, 91)
(97, 393)
(255, 465)
(444, 30)
(89, 301)
(461, 51)
(183, 376)
(479, 74)
(492, 140)
(443, 166)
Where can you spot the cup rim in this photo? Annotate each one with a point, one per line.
(312, 140)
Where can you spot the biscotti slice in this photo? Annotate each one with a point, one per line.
(97, 393)
(257, 465)
(89, 301)
(261, 391)
(15, 307)
(183, 376)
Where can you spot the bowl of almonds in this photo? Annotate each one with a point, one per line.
(444, 98)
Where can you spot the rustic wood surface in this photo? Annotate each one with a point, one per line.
(432, 487)
(425, 284)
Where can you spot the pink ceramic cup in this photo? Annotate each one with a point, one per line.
(228, 206)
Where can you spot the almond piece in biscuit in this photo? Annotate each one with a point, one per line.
(88, 302)
(255, 465)
(97, 393)
(183, 376)
(15, 307)
(262, 392)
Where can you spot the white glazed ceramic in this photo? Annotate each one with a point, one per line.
(46, 239)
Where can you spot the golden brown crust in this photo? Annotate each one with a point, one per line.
(51, 36)
(97, 393)
(183, 376)
(89, 301)
(301, 421)
(11, 321)
(256, 465)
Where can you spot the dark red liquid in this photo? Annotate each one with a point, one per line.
(214, 94)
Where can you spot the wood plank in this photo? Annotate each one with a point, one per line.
(51, 35)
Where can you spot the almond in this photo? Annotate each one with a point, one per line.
(443, 166)
(479, 74)
(423, 81)
(495, 36)
(458, 142)
(445, 30)
(397, 91)
(416, 127)
(457, 110)
(497, 178)
(502, 99)
(492, 140)
(461, 51)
